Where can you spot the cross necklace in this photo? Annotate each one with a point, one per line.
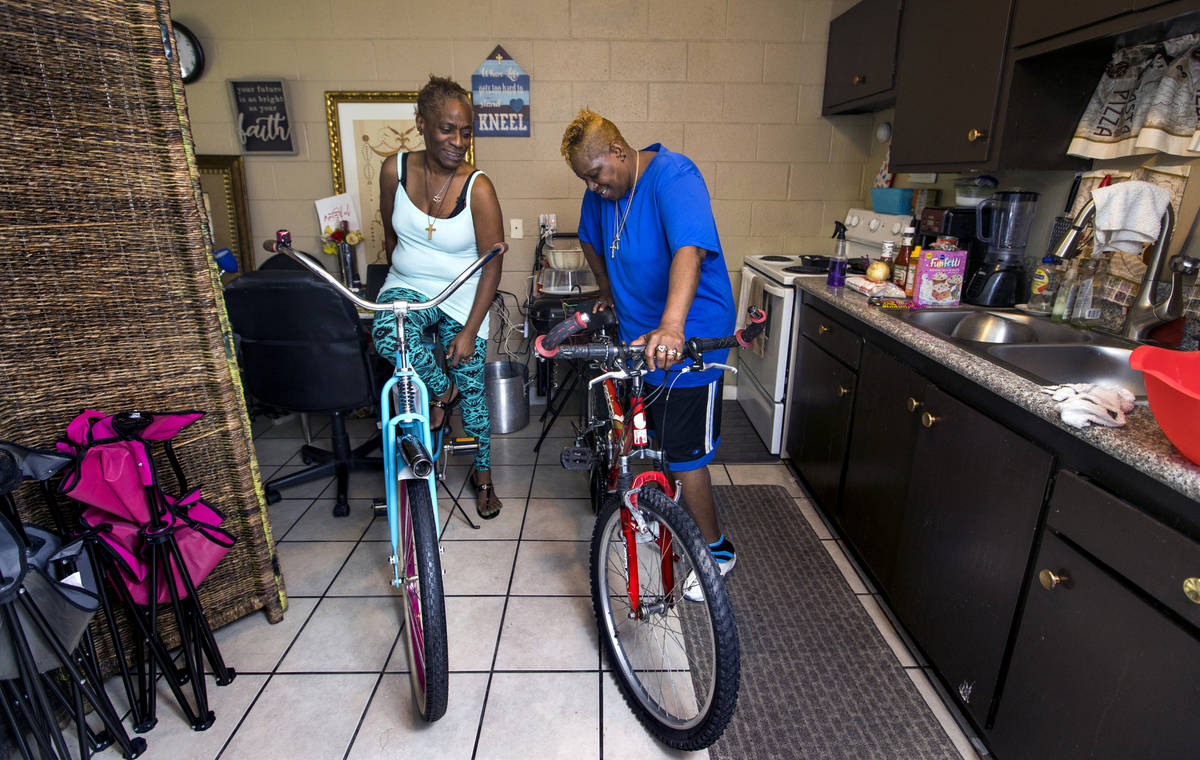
(434, 198)
(618, 229)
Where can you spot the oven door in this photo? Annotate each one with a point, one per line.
(767, 358)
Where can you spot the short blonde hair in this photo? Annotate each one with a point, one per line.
(588, 131)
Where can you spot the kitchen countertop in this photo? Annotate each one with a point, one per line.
(1140, 443)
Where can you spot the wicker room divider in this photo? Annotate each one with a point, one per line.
(109, 298)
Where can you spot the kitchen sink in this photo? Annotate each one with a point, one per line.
(1105, 365)
(993, 327)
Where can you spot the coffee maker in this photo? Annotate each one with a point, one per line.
(1000, 280)
(957, 222)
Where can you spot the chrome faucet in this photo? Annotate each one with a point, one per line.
(1143, 314)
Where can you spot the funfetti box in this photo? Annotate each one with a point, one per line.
(939, 277)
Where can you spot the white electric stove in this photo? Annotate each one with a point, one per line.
(768, 281)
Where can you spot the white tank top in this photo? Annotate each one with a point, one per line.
(428, 265)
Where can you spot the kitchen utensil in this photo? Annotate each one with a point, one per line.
(1062, 222)
(1000, 281)
(1173, 390)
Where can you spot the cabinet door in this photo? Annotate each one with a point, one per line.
(823, 398)
(949, 68)
(1096, 672)
(1036, 20)
(970, 518)
(880, 457)
(861, 57)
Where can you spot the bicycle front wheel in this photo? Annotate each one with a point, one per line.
(677, 662)
(421, 595)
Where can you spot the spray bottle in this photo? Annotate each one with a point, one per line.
(837, 264)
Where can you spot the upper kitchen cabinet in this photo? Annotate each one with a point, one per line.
(860, 65)
(1069, 22)
(961, 105)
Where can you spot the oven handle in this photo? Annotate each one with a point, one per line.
(781, 292)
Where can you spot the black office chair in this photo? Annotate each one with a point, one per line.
(303, 348)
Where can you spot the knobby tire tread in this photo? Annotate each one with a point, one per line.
(727, 648)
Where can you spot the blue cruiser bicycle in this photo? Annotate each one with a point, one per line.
(409, 457)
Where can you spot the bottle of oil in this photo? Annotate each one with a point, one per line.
(900, 266)
(910, 276)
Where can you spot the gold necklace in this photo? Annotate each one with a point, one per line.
(436, 198)
(618, 229)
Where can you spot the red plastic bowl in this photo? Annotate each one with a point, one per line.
(1173, 390)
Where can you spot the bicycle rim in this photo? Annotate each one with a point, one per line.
(676, 662)
(421, 597)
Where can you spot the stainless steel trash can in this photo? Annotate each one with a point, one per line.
(507, 387)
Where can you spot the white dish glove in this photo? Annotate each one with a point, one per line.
(1082, 404)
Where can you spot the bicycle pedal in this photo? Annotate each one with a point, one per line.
(461, 445)
(379, 507)
(576, 458)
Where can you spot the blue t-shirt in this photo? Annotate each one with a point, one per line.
(670, 210)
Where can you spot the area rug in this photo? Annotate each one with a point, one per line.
(818, 680)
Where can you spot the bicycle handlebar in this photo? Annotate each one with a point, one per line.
(283, 244)
(549, 345)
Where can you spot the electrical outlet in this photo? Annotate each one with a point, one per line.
(516, 228)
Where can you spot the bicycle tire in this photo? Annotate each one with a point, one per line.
(421, 597)
(688, 707)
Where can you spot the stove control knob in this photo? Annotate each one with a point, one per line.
(874, 224)
(896, 228)
(853, 220)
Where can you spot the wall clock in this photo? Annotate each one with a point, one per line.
(191, 55)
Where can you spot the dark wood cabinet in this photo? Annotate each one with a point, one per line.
(879, 461)
(974, 501)
(948, 81)
(824, 397)
(1106, 662)
(1097, 672)
(1034, 20)
(860, 64)
(1072, 22)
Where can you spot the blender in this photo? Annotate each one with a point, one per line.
(1000, 280)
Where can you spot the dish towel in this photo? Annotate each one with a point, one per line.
(1083, 404)
(1129, 215)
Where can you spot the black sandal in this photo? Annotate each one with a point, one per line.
(489, 491)
(447, 407)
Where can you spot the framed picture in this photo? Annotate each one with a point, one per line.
(364, 129)
(223, 183)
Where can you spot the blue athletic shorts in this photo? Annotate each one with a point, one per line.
(686, 422)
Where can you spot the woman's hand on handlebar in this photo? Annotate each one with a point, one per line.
(602, 303)
(663, 346)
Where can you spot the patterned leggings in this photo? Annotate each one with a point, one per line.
(468, 375)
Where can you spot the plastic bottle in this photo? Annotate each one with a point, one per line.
(1064, 300)
(837, 264)
(1045, 284)
(1086, 310)
(910, 276)
(900, 268)
(887, 254)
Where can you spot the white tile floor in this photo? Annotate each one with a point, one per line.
(526, 680)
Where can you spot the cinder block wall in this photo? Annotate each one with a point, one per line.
(735, 84)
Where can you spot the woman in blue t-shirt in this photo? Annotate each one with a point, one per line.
(439, 214)
(647, 230)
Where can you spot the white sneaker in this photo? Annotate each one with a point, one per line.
(726, 558)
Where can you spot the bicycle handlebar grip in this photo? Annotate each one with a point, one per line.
(547, 345)
(758, 322)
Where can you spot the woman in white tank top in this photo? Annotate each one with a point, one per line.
(439, 214)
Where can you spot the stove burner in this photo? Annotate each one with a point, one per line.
(776, 258)
(806, 269)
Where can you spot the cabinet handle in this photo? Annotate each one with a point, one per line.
(976, 134)
(1049, 579)
(1191, 589)
(928, 419)
(859, 79)
(822, 329)
(913, 404)
(843, 390)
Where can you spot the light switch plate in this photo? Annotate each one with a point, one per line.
(516, 228)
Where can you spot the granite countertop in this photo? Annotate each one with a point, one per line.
(1140, 443)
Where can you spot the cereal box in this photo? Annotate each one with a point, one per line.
(939, 277)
